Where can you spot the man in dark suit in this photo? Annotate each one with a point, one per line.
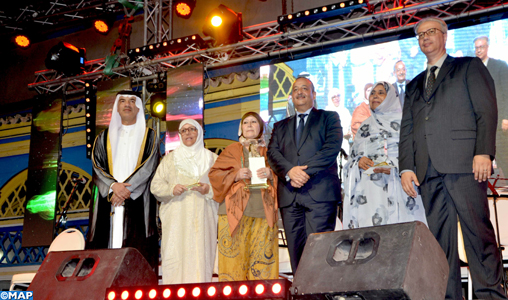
(399, 70)
(498, 69)
(303, 153)
(448, 129)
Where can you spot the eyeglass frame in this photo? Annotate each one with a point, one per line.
(427, 32)
(189, 130)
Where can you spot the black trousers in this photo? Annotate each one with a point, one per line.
(303, 217)
(446, 196)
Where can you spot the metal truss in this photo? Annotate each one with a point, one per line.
(270, 41)
(38, 18)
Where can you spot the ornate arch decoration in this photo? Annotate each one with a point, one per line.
(13, 193)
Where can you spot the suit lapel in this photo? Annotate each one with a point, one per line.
(292, 124)
(311, 119)
(445, 69)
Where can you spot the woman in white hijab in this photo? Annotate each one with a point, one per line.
(188, 212)
(373, 192)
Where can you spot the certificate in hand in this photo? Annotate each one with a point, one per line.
(256, 163)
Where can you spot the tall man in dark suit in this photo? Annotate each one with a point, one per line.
(448, 138)
(498, 69)
(303, 153)
(399, 70)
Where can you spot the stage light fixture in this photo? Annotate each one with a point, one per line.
(22, 41)
(90, 116)
(277, 289)
(224, 25)
(166, 293)
(184, 8)
(66, 58)
(322, 12)
(103, 24)
(158, 105)
(173, 45)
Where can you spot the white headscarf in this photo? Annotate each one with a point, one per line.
(194, 161)
(383, 125)
(116, 124)
(391, 104)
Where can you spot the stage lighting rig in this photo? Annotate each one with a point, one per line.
(224, 26)
(173, 45)
(90, 116)
(66, 58)
(184, 8)
(277, 289)
(326, 11)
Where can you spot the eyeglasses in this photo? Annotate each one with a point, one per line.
(429, 32)
(188, 130)
(480, 47)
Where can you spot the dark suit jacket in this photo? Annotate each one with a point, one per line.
(401, 97)
(319, 146)
(498, 69)
(456, 123)
(396, 85)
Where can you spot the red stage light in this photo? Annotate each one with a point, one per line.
(89, 145)
(227, 290)
(181, 292)
(111, 295)
(243, 290)
(88, 130)
(196, 291)
(22, 41)
(212, 291)
(276, 288)
(125, 295)
(87, 99)
(183, 9)
(88, 115)
(152, 294)
(166, 293)
(101, 26)
(260, 289)
(138, 294)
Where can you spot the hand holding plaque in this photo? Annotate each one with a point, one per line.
(256, 163)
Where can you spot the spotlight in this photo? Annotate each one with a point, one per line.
(159, 84)
(184, 8)
(22, 41)
(66, 58)
(158, 105)
(322, 12)
(224, 25)
(103, 25)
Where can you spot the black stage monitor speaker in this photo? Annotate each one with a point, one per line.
(401, 261)
(87, 274)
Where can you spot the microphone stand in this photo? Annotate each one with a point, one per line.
(63, 216)
(495, 195)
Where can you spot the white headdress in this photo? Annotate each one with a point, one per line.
(116, 123)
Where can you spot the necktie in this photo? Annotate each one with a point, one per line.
(401, 90)
(430, 81)
(299, 130)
